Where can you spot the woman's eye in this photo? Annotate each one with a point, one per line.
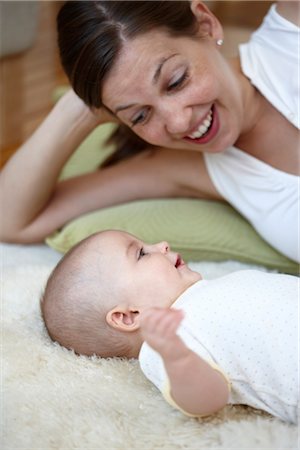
(140, 117)
(141, 253)
(178, 82)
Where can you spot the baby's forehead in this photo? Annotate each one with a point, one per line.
(112, 238)
(103, 246)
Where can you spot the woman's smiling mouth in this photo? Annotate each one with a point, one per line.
(207, 129)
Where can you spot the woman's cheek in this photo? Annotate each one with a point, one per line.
(152, 136)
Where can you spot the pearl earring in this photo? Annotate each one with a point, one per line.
(220, 42)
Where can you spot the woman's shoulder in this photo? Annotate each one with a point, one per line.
(270, 54)
(282, 15)
(289, 11)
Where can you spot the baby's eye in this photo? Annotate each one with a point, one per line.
(178, 82)
(141, 253)
(141, 117)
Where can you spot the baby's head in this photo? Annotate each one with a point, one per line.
(95, 295)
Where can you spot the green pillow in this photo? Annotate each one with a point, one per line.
(197, 229)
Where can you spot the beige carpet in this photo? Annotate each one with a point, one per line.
(52, 399)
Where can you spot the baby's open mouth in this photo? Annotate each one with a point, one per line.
(179, 261)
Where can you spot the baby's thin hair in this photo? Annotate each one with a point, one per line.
(74, 305)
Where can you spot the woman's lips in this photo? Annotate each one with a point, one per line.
(211, 132)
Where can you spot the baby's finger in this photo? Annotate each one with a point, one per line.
(161, 321)
(151, 323)
(170, 322)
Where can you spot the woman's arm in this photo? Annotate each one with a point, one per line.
(28, 180)
(195, 386)
(34, 204)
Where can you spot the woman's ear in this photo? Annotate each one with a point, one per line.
(209, 25)
(123, 319)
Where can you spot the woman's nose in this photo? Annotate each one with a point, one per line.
(177, 119)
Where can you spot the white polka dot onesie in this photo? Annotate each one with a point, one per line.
(246, 324)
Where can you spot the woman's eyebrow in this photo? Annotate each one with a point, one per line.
(160, 66)
(154, 81)
(122, 107)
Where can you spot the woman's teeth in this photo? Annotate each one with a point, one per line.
(202, 129)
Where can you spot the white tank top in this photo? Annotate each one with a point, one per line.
(271, 61)
(267, 197)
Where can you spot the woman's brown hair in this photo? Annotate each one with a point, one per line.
(91, 35)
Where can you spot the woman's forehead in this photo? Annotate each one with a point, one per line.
(138, 62)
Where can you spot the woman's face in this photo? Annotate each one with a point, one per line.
(176, 92)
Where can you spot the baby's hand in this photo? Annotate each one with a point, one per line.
(158, 326)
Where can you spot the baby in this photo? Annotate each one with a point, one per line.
(204, 344)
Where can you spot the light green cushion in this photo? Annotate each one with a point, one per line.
(197, 229)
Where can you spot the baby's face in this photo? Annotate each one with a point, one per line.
(143, 275)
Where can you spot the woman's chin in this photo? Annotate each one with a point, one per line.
(217, 147)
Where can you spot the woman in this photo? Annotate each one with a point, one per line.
(218, 129)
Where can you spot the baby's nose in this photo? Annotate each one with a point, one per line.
(163, 247)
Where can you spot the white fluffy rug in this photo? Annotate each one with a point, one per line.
(52, 399)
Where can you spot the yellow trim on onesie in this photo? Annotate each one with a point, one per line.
(166, 391)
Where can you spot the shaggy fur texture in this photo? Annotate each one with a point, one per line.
(53, 399)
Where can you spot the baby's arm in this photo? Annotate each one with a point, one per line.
(195, 386)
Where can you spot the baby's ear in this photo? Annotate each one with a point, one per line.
(123, 319)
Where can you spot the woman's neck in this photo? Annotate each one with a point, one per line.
(265, 132)
(251, 99)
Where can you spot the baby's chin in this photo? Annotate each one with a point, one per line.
(195, 275)
(193, 278)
